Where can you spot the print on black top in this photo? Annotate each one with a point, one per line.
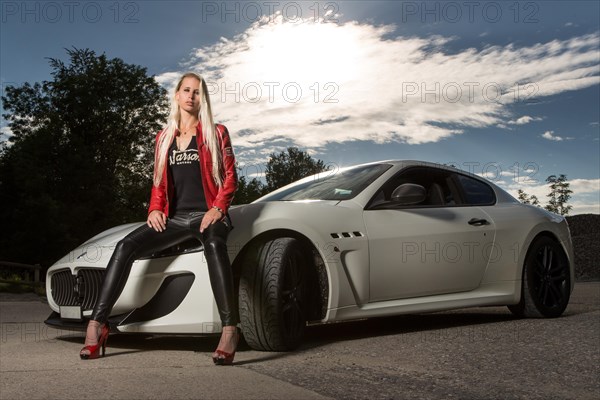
(185, 167)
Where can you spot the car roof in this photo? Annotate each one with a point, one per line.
(414, 163)
(502, 195)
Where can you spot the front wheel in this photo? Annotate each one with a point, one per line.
(546, 285)
(273, 296)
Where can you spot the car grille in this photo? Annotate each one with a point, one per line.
(77, 290)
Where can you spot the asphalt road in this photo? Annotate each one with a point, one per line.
(481, 353)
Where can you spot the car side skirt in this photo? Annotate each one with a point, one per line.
(496, 294)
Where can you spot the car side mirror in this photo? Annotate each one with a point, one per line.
(408, 194)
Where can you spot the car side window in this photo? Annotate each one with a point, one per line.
(437, 184)
(476, 192)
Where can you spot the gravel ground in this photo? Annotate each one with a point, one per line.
(480, 353)
(585, 233)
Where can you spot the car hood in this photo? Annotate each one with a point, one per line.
(321, 202)
(111, 236)
(98, 247)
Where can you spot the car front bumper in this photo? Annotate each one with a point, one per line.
(170, 295)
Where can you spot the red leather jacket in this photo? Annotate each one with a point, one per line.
(222, 196)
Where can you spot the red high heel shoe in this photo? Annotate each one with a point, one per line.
(223, 357)
(95, 349)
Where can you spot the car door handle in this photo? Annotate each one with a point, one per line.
(478, 221)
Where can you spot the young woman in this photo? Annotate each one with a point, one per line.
(194, 183)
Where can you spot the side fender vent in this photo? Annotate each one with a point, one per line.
(340, 235)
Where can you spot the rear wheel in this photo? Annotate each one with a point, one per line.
(273, 296)
(546, 285)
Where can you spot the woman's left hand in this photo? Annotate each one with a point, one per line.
(213, 215)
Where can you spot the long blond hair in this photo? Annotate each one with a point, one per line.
(208, 131)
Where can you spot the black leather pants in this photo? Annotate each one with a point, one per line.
(145, 241)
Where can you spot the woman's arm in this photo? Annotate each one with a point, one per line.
(226, 191)
(158, 195)
(230, 180)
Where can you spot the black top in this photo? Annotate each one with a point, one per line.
(184, 167)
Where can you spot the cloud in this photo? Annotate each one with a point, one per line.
(550, 136)
(585, 186)
(586, 196)
(585, 208)
(168, 79)
(5, 134)
(525, 119)
(314, 83)
(5, 130)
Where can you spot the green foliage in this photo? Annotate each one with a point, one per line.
(80, 160)
(249, 190)
(289, 166)
(283, 168)
(527, 199)
(559, 195)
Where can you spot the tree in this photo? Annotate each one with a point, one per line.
(248, 190)
(287, 167)
(80, 160)
(559, 195)
(527, 199)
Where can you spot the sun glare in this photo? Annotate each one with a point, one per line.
(305, 53)
(311, 82)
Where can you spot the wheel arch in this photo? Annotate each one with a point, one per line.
(528, 245)
(318, 276)
(541, 290)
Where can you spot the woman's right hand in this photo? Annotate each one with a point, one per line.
(157, 220)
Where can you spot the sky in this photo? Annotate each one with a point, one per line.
(508, 90)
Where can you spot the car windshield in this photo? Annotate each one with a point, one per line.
(329, 185)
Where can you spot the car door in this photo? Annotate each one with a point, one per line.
(441, 245)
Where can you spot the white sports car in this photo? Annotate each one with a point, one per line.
(371, 240)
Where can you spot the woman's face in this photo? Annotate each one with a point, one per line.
(188, 95)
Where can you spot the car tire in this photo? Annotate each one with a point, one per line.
(272, 296)
(546, 284)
